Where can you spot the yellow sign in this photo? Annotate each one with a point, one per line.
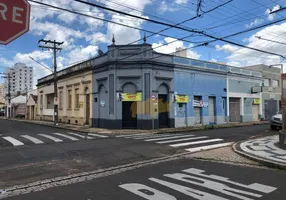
(81, 104)
(132, 96)
(256, 101)
(182, 98)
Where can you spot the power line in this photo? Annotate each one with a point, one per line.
(259, 37)
(105, 20)
(41, 64)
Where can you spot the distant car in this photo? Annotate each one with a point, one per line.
(276, 121)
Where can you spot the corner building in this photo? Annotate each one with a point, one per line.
(133, 88)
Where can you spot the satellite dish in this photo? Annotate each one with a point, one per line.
(100, 52)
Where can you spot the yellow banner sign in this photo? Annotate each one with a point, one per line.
(256, 101)
(132, 96)
(182, 98)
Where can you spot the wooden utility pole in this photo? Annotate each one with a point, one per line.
(55, 47)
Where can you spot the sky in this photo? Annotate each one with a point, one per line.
(83, 36)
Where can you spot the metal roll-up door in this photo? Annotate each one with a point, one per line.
(255, 112)
(234, 109)
(211, 109)
(197, 112)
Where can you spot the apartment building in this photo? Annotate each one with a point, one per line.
(2, 95)
(21, 78)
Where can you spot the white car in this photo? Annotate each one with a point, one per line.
(276, 121)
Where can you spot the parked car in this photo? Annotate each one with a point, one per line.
(276, 121)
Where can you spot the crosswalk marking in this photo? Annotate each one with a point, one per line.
(196, 149)
(197, 142)
(32, 139)
(180, 140)
(66, 136)
(93, 134)
(155, 136)
(167, 138)
(51, 137)
(13, 141)
(81, 136)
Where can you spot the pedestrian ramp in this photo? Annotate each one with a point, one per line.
(46, 138)
(189, 142)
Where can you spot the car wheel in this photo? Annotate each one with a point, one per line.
(273, 127)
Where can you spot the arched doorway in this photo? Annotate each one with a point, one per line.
(163, 105)
(87, 106)
(129, 108)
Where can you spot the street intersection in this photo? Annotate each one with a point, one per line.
(109, 166)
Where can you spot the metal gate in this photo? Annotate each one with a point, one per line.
(211, 109)
(198, 111)
(234, 109)
(270, 108)
(163, 111)
(255, 112)
(129, 121)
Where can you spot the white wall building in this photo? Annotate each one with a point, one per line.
(21, 78)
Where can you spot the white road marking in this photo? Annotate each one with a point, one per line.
(32, 139)
(66, 136)
(180, 140)
(197, 142)
(13, 141)
(254, 186)
(202, 148)
(51, 137)
(96, 135)
(81, 136)
(156, 136)
(167, 138)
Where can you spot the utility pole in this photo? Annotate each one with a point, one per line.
(8, 77)
(55, 47)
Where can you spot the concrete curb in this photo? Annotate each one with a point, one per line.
(158, 131)
(261, 160)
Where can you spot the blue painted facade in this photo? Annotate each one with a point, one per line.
(202, 85)
(205, 80)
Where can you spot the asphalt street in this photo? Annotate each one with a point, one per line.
(32, 162)
(179, 179)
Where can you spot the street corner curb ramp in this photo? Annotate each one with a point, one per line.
(264, 161)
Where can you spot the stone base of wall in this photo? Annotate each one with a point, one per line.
(45, 118)
(144, 124)
(72, 120)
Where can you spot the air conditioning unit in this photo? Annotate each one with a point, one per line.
(270, 89)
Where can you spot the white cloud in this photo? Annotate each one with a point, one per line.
(270, 17)
(213, 60)
(164, 7)
(254, 23)
(181, 1)
(80, 53)
(243, 57)
(226, 48)
(172, 47)
(125, 35)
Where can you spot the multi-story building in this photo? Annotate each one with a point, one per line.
(2, 95)
(271, 89)
(21, 79)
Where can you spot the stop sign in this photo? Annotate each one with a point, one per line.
(14, 19)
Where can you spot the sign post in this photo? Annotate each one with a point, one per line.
(14, 19)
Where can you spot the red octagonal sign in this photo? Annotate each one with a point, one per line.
(14, 19)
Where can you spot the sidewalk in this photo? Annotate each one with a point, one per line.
(86, 129)
(263, 149)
